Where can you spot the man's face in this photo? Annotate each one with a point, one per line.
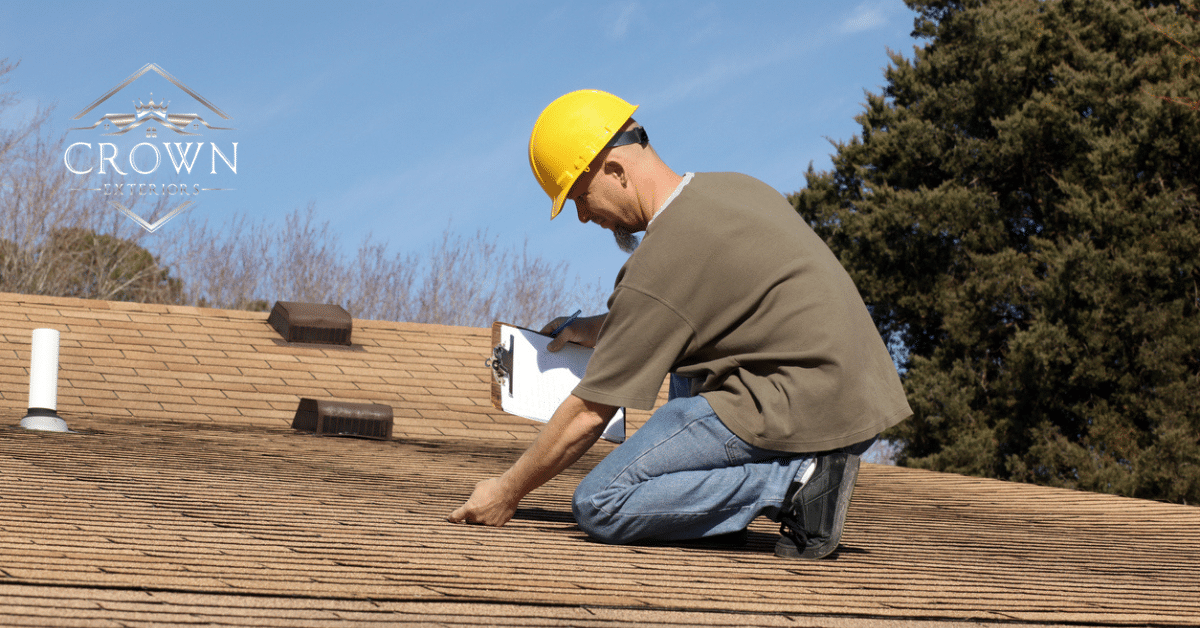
(599, 198)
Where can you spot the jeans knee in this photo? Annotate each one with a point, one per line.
(594, 520)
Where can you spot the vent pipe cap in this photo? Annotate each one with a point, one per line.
(311, 322)
(344, 418)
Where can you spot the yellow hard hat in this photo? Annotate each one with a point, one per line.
(571, 131)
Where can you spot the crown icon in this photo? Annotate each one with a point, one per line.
(151, 107)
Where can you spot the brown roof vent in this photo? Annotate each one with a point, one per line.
(311, 322)
(343, 418)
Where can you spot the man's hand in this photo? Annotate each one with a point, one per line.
(489, 505)
(574, 428)
(584, 331)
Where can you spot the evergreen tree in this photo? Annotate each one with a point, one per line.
(1021, 215)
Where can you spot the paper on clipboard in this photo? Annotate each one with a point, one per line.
(531, 382)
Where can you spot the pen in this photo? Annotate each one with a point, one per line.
(570, 319)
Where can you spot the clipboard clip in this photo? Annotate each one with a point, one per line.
(501, 364)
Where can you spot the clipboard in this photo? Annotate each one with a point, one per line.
(531, 382)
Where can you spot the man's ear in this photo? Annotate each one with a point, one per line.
(614, 168)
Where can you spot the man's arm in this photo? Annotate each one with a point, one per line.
(576, 426)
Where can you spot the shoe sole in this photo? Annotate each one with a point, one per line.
(785, 548)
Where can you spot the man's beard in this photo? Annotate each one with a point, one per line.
(627, 241)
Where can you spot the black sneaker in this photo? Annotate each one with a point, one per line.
(814, 513)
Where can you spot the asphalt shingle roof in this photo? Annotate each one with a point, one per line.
(186, 499)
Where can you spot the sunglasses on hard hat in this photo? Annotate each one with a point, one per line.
(632, 136)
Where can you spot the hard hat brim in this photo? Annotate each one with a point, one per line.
(559, 201)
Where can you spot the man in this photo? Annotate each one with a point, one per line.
(779, 378)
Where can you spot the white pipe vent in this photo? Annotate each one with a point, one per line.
(43, 384)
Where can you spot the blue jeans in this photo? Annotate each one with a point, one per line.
(682, 475)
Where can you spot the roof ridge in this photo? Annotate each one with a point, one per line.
(78, 303)
(123, 306)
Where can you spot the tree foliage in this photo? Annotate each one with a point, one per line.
(77, 262)
(1021, 215)
(459, 281)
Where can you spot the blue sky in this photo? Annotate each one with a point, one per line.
(402, 118)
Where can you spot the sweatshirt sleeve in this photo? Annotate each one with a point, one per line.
(640, 342)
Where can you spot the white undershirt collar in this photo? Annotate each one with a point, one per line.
(687, 176)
